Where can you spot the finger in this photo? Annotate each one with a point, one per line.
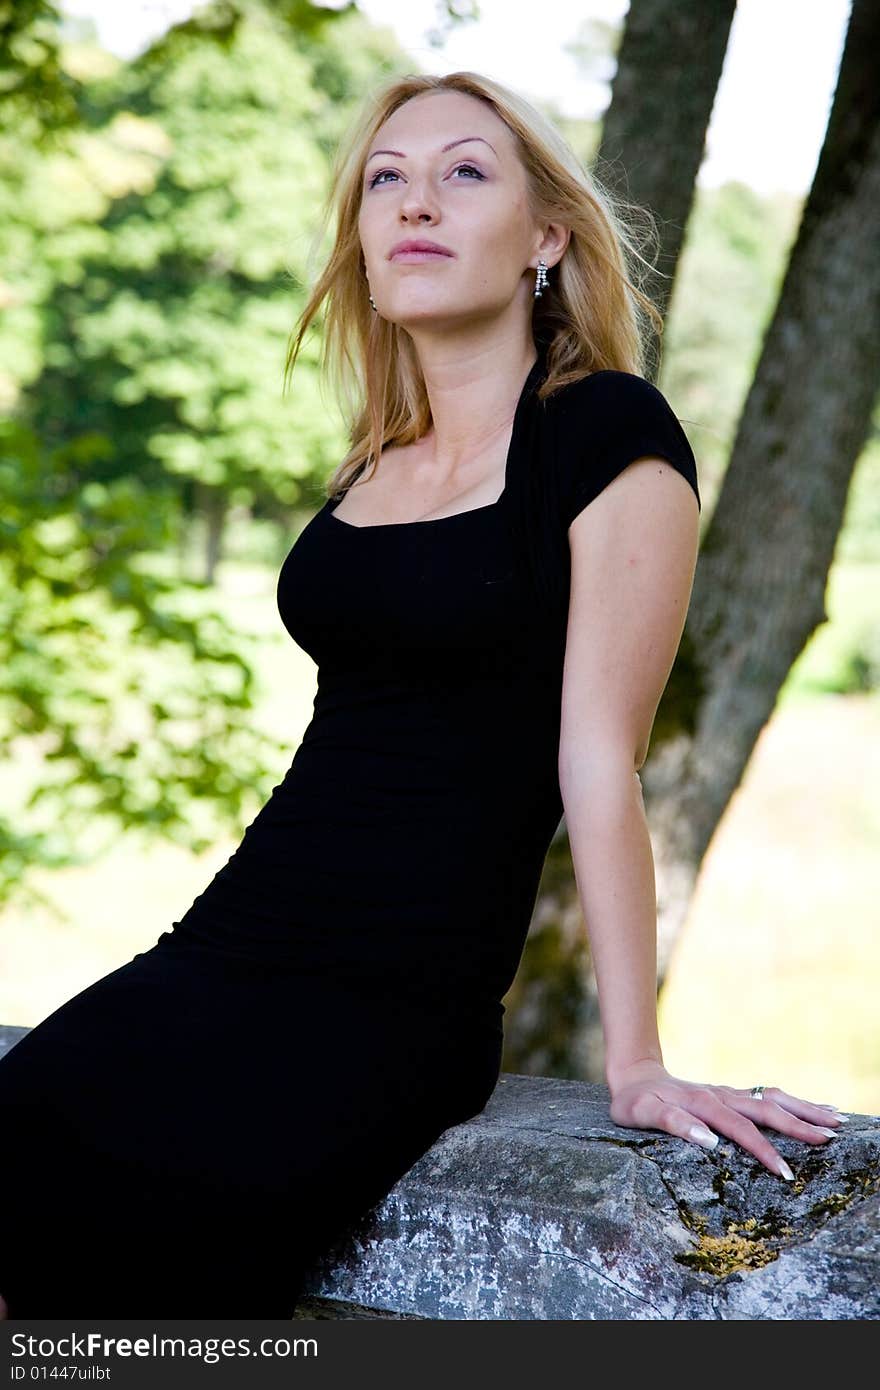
(766, 1112)
(681, 1123)
(721, 1118)
(796, 1105)
(651, 1111)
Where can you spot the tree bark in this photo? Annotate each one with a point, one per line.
(654, 131)
(759, 591)
(764, 561)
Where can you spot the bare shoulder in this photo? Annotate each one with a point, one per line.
(393, 457)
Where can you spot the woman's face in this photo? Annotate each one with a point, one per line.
(470, 198)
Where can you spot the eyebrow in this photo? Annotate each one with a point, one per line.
(398, 154)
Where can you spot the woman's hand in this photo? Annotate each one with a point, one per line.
(645, 1096)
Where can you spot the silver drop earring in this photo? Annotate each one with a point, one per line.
(541, 279)
(372, 302)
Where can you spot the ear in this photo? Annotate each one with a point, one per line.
(553, 243)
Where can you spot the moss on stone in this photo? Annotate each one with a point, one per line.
(720, 1255)
(858, 1182)
(830, 1205)
(759, 1240)
(746, 1244)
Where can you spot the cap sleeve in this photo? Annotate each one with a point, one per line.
(608, 420)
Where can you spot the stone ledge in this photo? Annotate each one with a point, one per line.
(542, 1208)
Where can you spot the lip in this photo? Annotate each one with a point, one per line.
(418, 247)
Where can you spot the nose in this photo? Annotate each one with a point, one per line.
(418, 202)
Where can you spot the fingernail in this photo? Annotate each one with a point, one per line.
(837, 1115)
(785, 1171)
(832, 1133)
(701, 1135)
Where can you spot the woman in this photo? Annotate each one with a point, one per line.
(494, 600)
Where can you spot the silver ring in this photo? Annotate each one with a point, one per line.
(757, 1092)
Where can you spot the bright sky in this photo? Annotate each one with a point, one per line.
(770, 112)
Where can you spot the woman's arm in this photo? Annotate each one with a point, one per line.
(614, 869)
(633, 559)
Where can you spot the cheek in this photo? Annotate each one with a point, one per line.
(501, 234)
(500, 253)
(367, 229)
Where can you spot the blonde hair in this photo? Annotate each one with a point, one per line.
(591, 315)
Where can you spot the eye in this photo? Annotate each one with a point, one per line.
(374, 181)
(376, 177)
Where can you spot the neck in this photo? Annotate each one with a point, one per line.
(473, 393)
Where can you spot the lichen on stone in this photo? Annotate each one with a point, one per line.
(744, 1246)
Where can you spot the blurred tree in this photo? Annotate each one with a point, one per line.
(121, 740)
(150, 266)
(36, 89)
(166, 338)
(668, 62)
(761, 582)
(765, 555)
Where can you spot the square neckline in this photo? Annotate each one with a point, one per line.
(469, 511)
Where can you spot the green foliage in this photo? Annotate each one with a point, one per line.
(123, 736)
(35, 88)
(153, 261)
(843, 655)
(157, 263)
(170, 337)
(860, 534)
(728, 281)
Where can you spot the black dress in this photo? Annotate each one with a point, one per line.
(184, 1136)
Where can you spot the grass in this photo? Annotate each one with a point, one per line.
(775, 976)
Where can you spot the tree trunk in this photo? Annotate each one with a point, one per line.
(212, 506)
(759, 591)
(654, 131)
(763, 566)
